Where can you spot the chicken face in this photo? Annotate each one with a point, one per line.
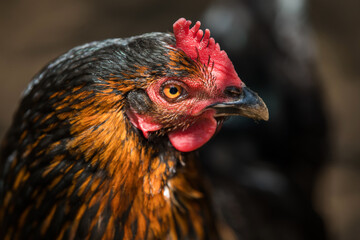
(190, 104)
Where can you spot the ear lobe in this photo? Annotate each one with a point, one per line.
(139, 101)
(143, 122)
(139, 107)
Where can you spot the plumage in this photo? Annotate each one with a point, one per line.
(96, 151)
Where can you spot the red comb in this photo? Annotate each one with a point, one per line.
(197, 44)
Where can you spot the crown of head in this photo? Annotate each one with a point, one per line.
(198, 44)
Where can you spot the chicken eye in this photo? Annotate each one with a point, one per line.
(172, 91)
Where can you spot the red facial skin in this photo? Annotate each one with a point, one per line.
(197, 97)
(200, 93)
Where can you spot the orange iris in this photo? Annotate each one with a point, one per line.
(172, 91)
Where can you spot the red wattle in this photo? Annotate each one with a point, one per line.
(195, 136)
(183, 140)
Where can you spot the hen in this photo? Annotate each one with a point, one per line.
(103, 143)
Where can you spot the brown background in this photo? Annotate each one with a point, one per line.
(337, 37)
(33, 32)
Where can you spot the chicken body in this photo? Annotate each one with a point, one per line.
(93, 152)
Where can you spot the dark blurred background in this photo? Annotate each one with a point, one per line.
(294, 177)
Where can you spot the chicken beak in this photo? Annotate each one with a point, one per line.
(249, 105)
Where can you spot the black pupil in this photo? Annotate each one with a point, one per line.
(173, 90)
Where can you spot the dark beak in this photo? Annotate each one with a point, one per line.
(249, 104)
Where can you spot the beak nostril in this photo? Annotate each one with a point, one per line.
(233, 92)
(247, 104)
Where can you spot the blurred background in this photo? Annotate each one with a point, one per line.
(294, 177)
